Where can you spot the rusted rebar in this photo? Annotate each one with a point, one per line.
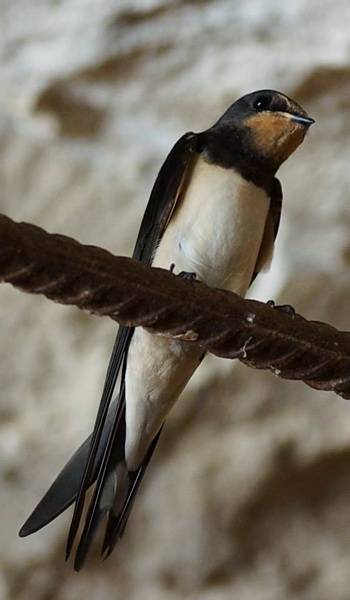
(125, 290)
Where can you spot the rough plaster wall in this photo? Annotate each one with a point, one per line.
(249, 493)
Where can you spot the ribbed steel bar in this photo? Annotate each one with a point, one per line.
(125, 290)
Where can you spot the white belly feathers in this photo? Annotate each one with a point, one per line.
(218, 233)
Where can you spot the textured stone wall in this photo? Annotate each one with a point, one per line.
(249, 493)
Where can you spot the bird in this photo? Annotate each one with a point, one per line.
(214, 211)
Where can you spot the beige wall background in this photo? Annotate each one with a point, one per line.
(248, 496)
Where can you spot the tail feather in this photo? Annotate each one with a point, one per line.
(117, 362)
(114, 494)
(117, 519)
(64, 490)
(94, 520)
(105, 491)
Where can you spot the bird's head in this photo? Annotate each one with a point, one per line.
(274, 125)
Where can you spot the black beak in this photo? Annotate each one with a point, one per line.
(306, 121)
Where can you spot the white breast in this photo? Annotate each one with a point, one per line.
(217, 229)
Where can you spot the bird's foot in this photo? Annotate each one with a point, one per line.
(184, 274)
(187, 275)
(287, 308)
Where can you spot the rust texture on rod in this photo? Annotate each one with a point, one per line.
(132, 294)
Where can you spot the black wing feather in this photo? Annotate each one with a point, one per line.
(94, 457)
(157, 214)
(276, 204)
(118, 356)
(274, 218)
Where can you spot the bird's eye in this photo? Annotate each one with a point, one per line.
(263, 102)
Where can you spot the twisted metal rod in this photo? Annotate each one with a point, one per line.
(132, 294)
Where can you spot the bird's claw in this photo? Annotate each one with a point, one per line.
(286, 308)
(187, 275)
(184, 274)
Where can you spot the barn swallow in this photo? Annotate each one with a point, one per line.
(214, 210)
